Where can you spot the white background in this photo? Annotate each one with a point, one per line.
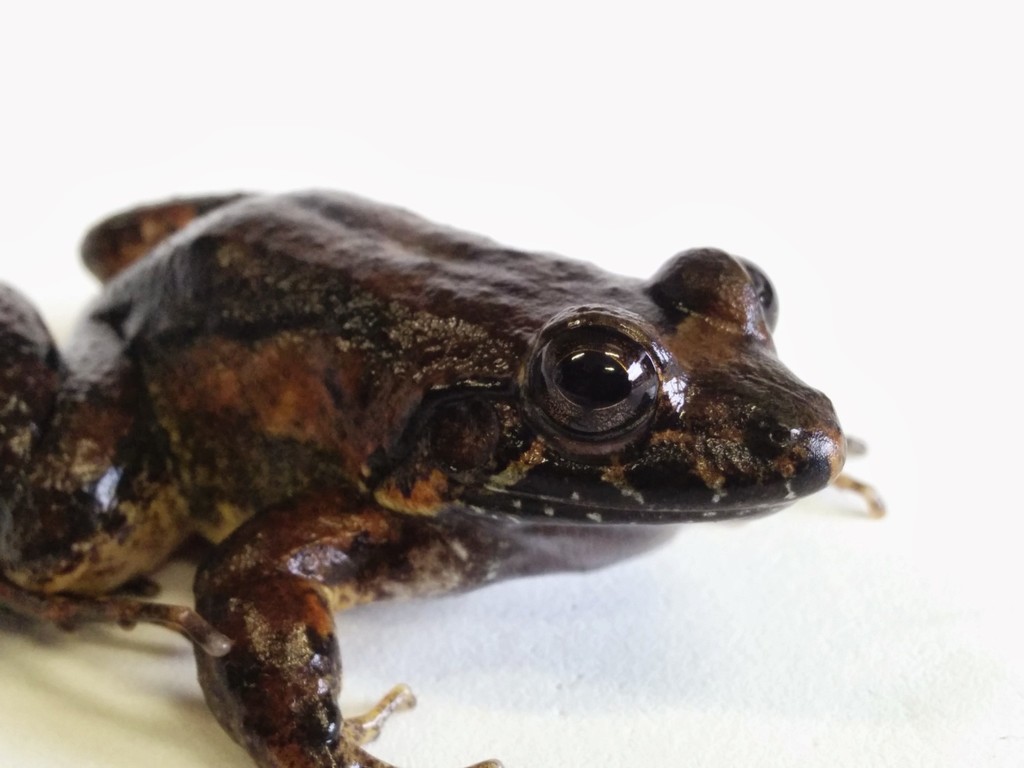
(869, 159)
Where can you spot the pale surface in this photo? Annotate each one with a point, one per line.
(870, 163)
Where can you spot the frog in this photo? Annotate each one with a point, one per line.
(349, 403)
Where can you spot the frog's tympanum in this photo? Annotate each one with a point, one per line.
(351, 403)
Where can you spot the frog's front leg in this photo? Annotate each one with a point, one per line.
(272, 588)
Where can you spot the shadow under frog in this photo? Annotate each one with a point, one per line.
(354, 404)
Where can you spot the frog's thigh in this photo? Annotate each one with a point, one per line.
(122, 239)
(92, 504)
(272, 588)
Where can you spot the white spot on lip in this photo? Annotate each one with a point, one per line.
(459, 549)
(631, 493)
(517, 504)
(549, 511)
(595, 516)
(575, 496)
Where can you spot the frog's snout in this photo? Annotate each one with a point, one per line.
(796, 441)
(826, 454)
(814, 457)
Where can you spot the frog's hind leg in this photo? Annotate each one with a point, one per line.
(272, 588)
(83, 506)
(119, 241)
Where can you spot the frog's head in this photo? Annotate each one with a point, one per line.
(684, 415)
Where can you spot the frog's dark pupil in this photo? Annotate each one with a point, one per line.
(593, 379)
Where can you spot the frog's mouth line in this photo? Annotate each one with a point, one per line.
(497, 502)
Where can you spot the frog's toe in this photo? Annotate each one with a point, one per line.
(871, 497)
(363, 729)
(366, 727)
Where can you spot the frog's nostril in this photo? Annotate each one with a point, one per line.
(782, 436)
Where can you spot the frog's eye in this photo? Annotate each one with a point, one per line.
(765, 293)
(711, 283)
(591, 379)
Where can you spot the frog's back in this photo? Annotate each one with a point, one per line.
(341, 263)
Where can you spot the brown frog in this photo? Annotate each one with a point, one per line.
(351, 404)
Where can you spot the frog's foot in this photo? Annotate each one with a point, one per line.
(875, 504)
(365, 728)
(70, 611)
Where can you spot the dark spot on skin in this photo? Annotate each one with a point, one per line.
(463, 435)
(335, 391)
(325, 659)
(316, 724)
(115, 316)
(377, 462)
(242, 670)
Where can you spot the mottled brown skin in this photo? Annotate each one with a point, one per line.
(354, 404)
